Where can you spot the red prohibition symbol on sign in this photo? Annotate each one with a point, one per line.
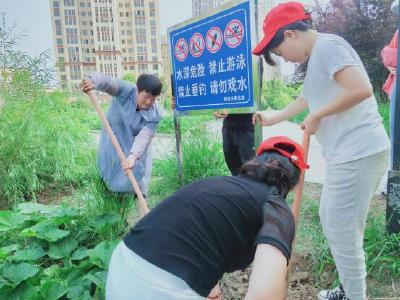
(214, 39)
(181, 49)
(197, 44)
(234, 33)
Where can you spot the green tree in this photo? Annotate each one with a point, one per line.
(367, 25)
(130, 77)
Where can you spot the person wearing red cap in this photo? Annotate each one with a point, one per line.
(344, 117)
(182, 247)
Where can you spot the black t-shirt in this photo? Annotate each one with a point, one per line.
(211, 227)
(239, 121)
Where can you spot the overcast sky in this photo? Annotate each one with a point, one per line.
(33, 18)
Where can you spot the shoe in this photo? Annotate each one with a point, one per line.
(335, 294)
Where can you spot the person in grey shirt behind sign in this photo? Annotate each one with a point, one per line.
(133, 115)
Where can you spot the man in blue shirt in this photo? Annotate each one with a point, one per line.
(133, 115)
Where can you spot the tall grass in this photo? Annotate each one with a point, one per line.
(44, 145)
(381, 249)
(202, 157)
(187, 123)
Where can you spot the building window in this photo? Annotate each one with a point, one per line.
(140, 17)
(139, 3)
(69, 3)
(153, 45)
(142, 68)
(70, 18)
(73, 54)
(75, 72)
(56, 8)
(72, 35)
(155, 67)
(140, 35)
(58, 27)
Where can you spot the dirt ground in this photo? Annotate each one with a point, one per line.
(301, 283)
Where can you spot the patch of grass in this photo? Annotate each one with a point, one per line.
(382, 250)
(384, 111)
(85, 112)
(44, 144)
(202, 157)
(188, 123)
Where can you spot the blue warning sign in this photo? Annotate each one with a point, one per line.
(216, 70)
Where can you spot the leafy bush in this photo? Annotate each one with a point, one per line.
(51, 252)
(44, 145)
(277, 95)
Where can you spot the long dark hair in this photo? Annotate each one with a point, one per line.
(273, 169)
(279, 37)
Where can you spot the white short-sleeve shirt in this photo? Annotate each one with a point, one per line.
(355, 133)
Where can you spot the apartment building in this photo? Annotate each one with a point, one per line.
(111, 36)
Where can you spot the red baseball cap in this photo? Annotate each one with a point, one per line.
(287, 148)
(279, 17)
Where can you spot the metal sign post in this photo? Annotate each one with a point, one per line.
(393, 187)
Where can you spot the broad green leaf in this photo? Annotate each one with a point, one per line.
(53, 289)
(24, 291)
(32, 252)
(16, 273)
(31, 207)
(2, 282)
(62, 248)
(65, 211)
(83, 296)
(80, 253)
(76, 291)
(11, 220)
(45, 230)
(52, 271)
(101, 254)
(104, 219)
(76, 276)
(31, 293)
(98, 278)
(4, 251)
